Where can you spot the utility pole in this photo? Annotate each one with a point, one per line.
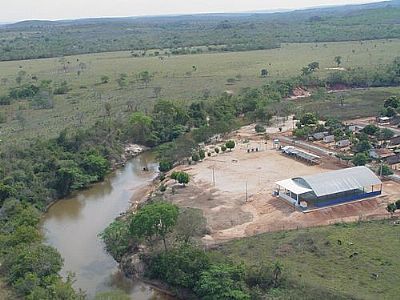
(246, 191)
(213, 175)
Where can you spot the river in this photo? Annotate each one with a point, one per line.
(72, 226)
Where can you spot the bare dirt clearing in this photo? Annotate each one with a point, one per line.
(221, 184)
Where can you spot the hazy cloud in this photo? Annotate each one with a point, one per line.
(15, 10)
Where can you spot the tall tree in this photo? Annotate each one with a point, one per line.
(154, 220)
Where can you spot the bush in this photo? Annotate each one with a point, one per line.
(222, 282)
(174, 175)
(25, 91)
(62, 89)
(202, 154)
(223, 148)
(183, 178)
(181, 267)
(165, 166)
(397, 203)
(5, 100)
(360, 159)
(195, 157)
(216, 150)
(230, 144)
(384, 170)
(391, 208)
(260, 129)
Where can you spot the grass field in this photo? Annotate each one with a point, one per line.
(356, 103)
(350, 261)
(181, 78)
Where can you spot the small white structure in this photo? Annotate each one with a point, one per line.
(329, 139)
(343, 143)
(383, 120)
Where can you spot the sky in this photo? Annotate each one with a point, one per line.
(18, 10)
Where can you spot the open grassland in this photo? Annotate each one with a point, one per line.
(349, 261)
(179, 78)
(349, 104)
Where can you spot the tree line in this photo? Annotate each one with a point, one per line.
(181, 35)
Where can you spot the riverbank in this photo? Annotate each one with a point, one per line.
(72, 226)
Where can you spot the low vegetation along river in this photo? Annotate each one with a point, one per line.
(72, 226)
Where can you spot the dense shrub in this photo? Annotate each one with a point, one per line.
(180, 267)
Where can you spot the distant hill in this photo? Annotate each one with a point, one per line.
(231, 31)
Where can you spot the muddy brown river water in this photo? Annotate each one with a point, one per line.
(72, 226)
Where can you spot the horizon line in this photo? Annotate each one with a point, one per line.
(258, 11)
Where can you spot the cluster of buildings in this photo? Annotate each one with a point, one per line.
(389, 153)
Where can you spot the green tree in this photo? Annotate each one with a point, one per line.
(202, 154)
(195, 157)
(95, 165)
(141, 126)
(363, 146)
(260, 129)
(386, 134)
(230, 144)
(145, 77)
(393, 102)
(117, 239)
(313, 66)
(397, 204)
(384, 170)
(360, 159)
(338, 60)
(165, 165)
(221, 282)
(183, 178)
(371, 129)
(391, 208)
(39, 260)
(309, 119)
(154, 220)
(264, 73)
(180, 267)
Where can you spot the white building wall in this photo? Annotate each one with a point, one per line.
(287, 198)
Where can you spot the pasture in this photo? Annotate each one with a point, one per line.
(179, 78)
(343, 261)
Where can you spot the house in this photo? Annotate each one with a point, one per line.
(329, 139)
(380, 153)
(395, 120)
(394, 161)
(355, 128)
(394, 142)
(343, 143)
(383, 120)
(319, 135)
(329, 188)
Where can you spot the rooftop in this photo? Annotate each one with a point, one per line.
(333, 182)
